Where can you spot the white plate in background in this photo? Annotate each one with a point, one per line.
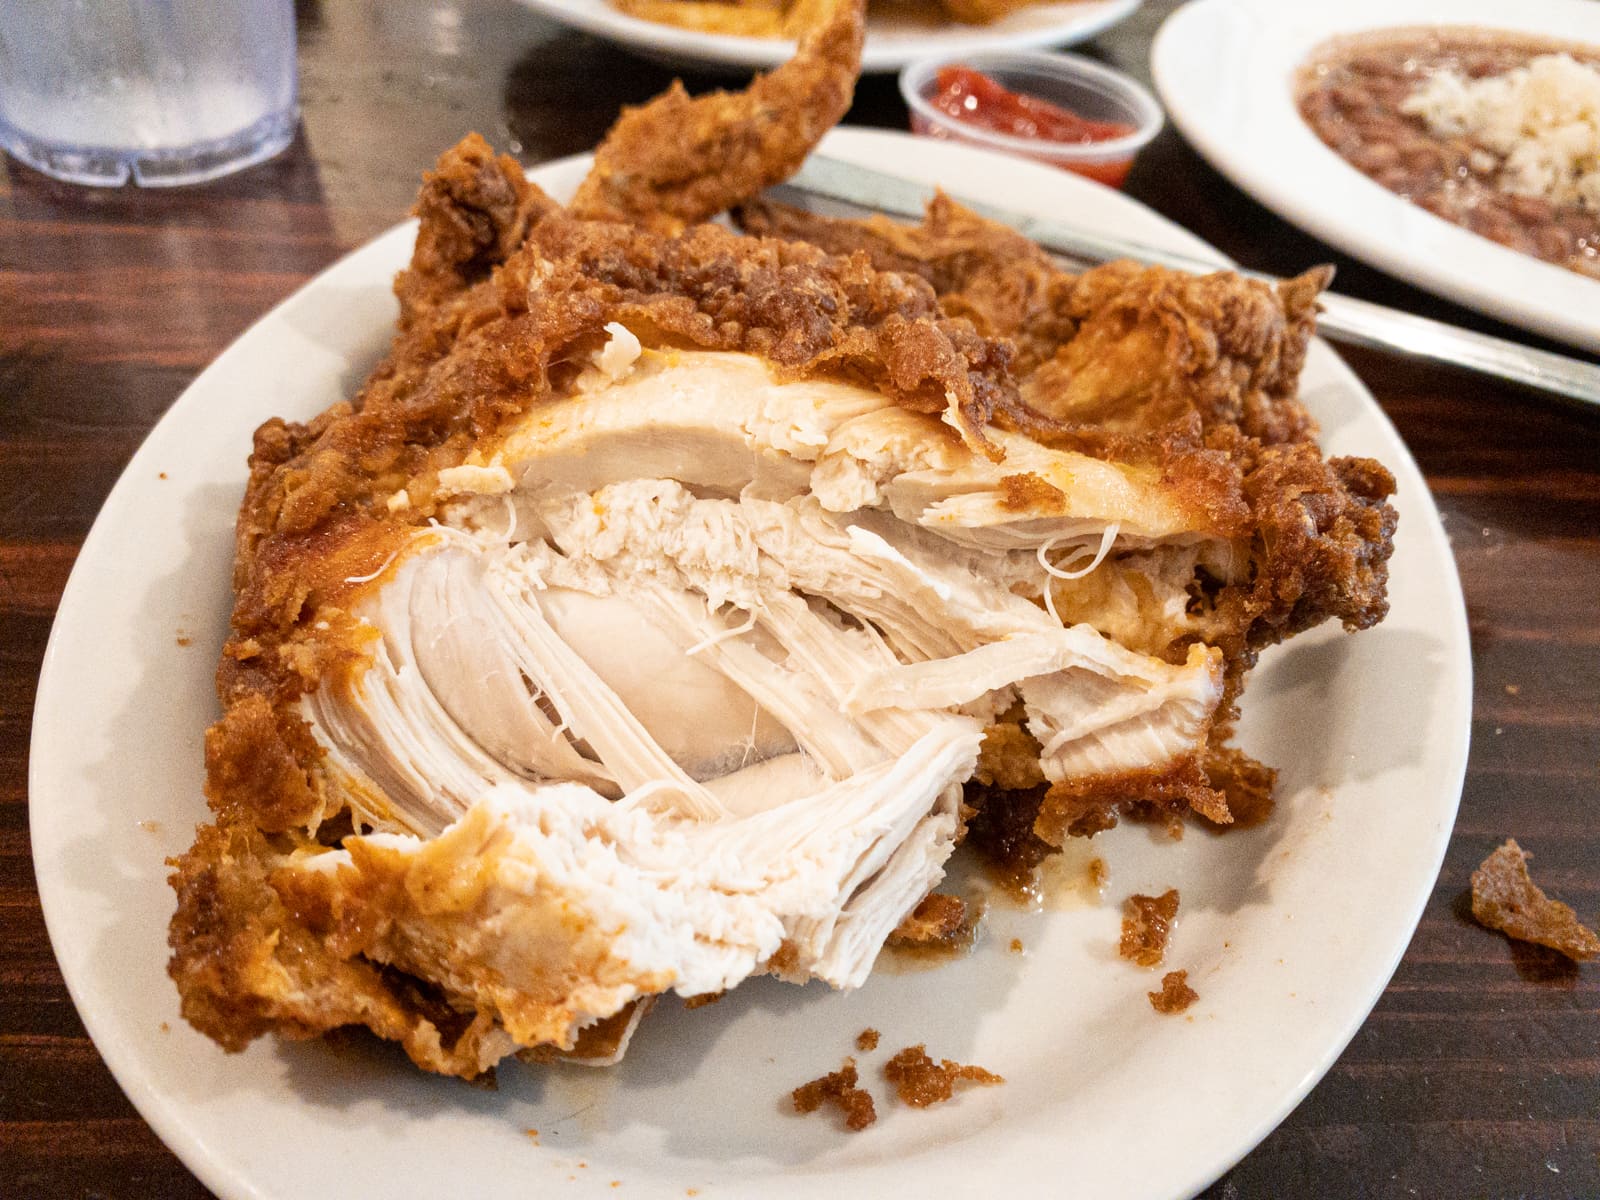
(1289, 932)
(1225, 70)
(894, 37)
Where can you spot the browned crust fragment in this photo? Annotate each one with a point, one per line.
(1504, 897)
(247, 960)
(922, 1083)
(839, 1089)
(1083, 807)
(867, 1040)
(1175, 994)
(599, 1042)
(939, 919)
(1146, 926)
(702, 1000)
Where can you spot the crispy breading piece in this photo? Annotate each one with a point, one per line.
(1003, 283)
(474, 209)
(677, 161)
(1504, 897)
(1154, 346)
(938, 921)
(839, 1089)
(922, 1083)
(1175, 994)
(1146, 926)
(247, 959)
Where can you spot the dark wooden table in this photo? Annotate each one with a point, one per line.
(1478, 1075)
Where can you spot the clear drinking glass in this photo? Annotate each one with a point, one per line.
(162, 91)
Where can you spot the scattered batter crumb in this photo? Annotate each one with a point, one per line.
(840, 1090)
(1016, 945)
(616, 1183)
(161, 475)
(1175, 994)
(165, 1028)
(1505, 898)
(867, 1040)
(703, 999)
(938, 921)
(1513, 689)
(532, 1133)
(1146, 925)
(150, 826)
(185, 640)
(1099, 873)
(921, 1082)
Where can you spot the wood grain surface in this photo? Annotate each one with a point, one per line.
(1477, 1075)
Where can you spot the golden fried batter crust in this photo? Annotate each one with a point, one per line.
(1504, 897)
(1003, 283)
(1146, 926)
(677, 161)
(922, 1083)
(839, 1088)
(1175, 994)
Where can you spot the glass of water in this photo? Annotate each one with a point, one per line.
(160, 91)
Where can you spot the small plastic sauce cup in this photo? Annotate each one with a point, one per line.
(1069, 81)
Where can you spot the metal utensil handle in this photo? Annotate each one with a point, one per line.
(1344, 318)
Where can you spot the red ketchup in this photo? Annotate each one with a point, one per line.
(971, 98)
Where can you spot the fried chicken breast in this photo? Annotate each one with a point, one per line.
(667, 603)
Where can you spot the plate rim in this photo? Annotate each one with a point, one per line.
(1470, 270)
(667, 43)
(229, 1179)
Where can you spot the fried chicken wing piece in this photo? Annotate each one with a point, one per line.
(677, 161)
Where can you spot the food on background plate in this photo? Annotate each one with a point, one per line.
(1496, 132)
(671, 602)
(1504, 897)
(794, 18)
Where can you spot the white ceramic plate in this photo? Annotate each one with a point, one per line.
(893, 38)
(1289, 932)
(1225, 70)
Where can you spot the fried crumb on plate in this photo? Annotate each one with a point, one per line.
(703, 999)
(921, 1082)
(1146, 926)
(838, 1088)
(867, 1040)
(939, 922)
(1175, 994)
(1504, 897)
